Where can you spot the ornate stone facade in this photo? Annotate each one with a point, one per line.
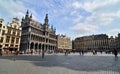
(93, 42)
(10, 36)
(117, 39)
(2, 35)
(112, 43)
(13, 35)
(64, 42)
(37, 36)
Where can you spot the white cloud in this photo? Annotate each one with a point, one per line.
(106, 18)
(85, 27)
(100, 17)
(106, 21)
(95, 4)
(78, 19)
(77, 5)
(73, 13)
(113, 32)
(112, 14)
(93, 22)
(15, 9)
(86, 16)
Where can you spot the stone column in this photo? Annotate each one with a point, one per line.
(33, 47)
(37, 47)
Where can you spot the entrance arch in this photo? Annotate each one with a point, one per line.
(32, 45)
(36, 46)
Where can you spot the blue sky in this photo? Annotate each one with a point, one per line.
(71, 17)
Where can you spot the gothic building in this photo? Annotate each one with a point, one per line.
(37, 36)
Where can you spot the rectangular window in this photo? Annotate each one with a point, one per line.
(14, 32)
(11, 45)
(16, 45)
(13, 39)
(3, 32)
(7, 39)
(6, 44)
(9, 31)
(17, 40)
(1, 40)
(18, 33)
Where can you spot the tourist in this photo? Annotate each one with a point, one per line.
(115, 52)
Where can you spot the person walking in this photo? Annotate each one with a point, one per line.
(82, 52)
(115, 52)
(43, 54)
(66, 53)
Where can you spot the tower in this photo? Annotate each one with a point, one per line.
(27, 14)
(26, 20)
(46, 20)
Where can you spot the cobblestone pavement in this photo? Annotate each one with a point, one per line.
(60, 64)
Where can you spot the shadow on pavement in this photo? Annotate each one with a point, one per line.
(75, 62)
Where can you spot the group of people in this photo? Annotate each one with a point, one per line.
(115, 52)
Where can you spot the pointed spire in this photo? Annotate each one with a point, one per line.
(46, 19)
(52, 27)
(46, 16)
(22, 18)
(31, 16)
(54, 30)
(27, 12)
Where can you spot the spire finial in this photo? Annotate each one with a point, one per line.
(52, 27)
(22, 18)
(46, 16)
(46, 19)
(31, 16)
(27, 12)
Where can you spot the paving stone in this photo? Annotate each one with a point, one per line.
(60, 64)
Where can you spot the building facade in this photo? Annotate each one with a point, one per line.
(13, 35)
(37, 36)
(2, 35)
(93, 42)
(117, 39)
(64, 43)
(10, 36)
(112, 43)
